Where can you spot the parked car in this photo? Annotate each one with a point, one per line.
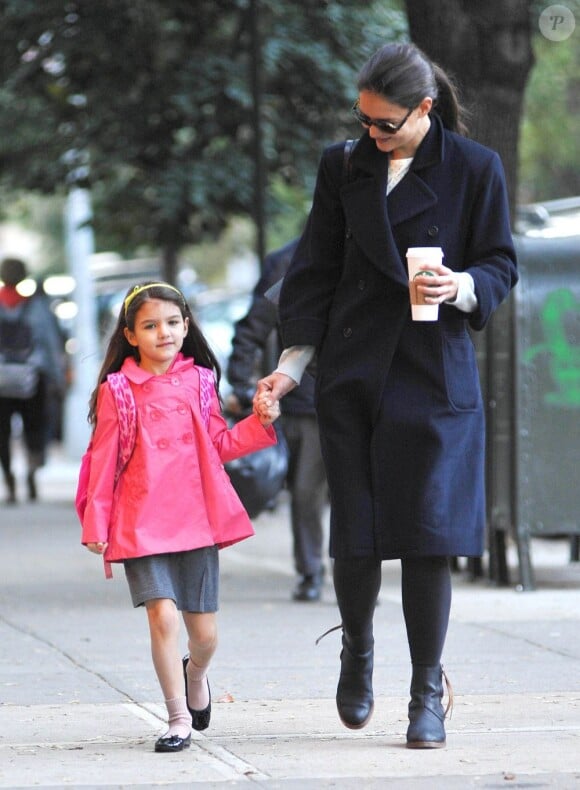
(550, 218)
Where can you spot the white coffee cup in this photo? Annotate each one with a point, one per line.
(420, 260)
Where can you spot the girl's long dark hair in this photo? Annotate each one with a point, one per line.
(194, 344)
(404, 75)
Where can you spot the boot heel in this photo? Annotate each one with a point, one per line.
(426, 713)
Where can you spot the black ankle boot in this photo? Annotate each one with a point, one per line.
(31, 483)
(11, 488)
(426, 714)
(354, 694)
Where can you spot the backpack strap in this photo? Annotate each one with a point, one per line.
(206, 390)
(127, 414)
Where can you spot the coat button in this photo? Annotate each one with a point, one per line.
(155, 415)
(162, 444)
(361, 285)
(347, 331)
(433, 231)
(348, 233)
(176, 381)
(187, 438)
(181, 408)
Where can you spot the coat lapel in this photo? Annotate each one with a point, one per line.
(413, 195)
(371, 216)
(364, 200)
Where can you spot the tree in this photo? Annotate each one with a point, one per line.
(150, 102)
(549, 161)
(487, 47)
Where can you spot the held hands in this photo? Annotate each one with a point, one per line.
(270, 390)
(277, 384)
(266, 409)
(438, 287)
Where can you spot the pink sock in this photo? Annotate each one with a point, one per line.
(197, 686)
(178, 717)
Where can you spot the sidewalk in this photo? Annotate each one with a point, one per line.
(80, 705)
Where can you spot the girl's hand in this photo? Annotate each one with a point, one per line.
(97, 548)
(266, 408)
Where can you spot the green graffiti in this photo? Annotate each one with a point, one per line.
(564, 357)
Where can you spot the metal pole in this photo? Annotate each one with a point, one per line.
(86, 355)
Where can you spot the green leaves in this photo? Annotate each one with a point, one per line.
(155, 97)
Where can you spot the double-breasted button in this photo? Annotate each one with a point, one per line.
(181, 408)
(187, 438)
(347, 331)
(162, 444)
(155, 415)
(433, 231)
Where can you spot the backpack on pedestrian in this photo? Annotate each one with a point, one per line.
(19, 372)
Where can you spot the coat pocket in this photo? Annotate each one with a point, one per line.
(461, 373)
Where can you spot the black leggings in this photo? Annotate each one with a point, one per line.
(426, 593)
(33, 413)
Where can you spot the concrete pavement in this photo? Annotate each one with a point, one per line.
(80, 705)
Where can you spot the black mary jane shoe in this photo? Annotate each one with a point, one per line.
(200, 719)
(172, 743)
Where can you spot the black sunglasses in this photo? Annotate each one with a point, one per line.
(382, 126)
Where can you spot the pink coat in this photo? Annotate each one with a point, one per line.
(174, 494)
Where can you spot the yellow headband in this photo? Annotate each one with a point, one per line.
(140, 288)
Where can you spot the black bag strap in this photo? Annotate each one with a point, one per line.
(349, 147)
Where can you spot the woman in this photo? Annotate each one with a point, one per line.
(399, 404)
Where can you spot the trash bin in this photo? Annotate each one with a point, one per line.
(547, 393)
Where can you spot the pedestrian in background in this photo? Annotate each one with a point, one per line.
(398, 401)
(306, 480)
(173, 505)
(31, 345)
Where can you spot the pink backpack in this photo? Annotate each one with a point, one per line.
(127, 414)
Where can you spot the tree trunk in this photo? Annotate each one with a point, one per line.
(169, 264)
(486, 47)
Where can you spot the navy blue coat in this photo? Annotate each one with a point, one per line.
(399, 402)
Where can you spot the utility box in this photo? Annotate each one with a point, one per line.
(546, 359)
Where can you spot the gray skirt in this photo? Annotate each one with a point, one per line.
(190, 578)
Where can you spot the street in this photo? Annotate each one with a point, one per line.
(80, 705)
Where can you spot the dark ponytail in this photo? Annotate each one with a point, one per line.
(448, 107)
(404, 75)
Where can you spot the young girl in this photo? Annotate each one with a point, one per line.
(173, 506)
